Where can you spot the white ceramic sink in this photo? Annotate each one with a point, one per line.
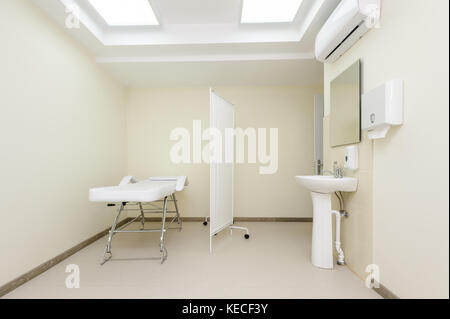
(327, 184)
(322, 188)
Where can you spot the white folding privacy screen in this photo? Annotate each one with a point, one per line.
(222, 169)
(221, 173)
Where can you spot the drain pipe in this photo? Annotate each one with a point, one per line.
(339, 250)
(341, 213)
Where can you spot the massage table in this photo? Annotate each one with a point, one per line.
(133, 193)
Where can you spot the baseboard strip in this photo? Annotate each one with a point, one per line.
(241, 219)
(385, 293)
(274, 219)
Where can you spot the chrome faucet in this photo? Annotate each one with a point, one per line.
(337, 170)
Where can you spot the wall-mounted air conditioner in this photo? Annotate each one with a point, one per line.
(347, 24)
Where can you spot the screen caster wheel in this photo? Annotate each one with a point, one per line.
(247, 236)
(205, 223)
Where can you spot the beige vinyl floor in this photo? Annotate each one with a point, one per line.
(273, 263)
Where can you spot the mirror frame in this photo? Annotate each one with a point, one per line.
(358, 140)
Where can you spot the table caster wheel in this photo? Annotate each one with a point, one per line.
(247, 236)
(205, 223)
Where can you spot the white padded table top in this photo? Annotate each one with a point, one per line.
(144, 191)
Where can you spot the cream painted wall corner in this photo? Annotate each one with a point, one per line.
(403, 178)
(357, 229)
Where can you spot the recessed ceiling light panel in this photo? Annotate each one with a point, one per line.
(269, 11)
(125, 12)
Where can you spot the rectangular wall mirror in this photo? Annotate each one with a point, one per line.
(345, 113)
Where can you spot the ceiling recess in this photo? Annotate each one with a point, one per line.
(269, 11)
(125, 13)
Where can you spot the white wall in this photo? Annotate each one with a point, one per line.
(151, 116)
(291, 110)
(153, 113)
(409, 169)
(62, 131)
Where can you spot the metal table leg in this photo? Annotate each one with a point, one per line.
(180, 222)
(163, 249)
(107, 256)
(142, 216)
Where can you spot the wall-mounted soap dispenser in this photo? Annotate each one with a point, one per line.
(351, 157)
(381, 108)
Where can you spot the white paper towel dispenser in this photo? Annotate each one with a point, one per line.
(381, 108)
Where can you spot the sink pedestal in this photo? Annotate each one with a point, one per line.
(322, 241)
(322, 187)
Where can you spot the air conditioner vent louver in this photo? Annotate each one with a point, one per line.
(346, 25)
